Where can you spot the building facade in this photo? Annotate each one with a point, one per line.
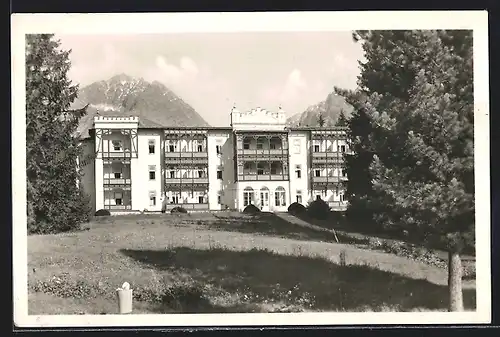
(257, 160)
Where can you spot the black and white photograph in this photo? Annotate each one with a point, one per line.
(225, 169)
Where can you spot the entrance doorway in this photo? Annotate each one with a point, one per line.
(264, 199)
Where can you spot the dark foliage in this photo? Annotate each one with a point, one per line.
(178, 209)
(318, 209)
(55, 203)
(251, 209)
(296, 209)
(102, 212)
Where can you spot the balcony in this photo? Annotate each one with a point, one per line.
(324, 179)
(263, 177)
(182, 154)
(178, 181)
(184, 158)
(118, 207)
(117, 155)
(327, 157)
(115, 181)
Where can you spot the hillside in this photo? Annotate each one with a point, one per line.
(330, 108)
(154, 103)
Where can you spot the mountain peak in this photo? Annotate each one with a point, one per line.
(126, 95)
(330, 108)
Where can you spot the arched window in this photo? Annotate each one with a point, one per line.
(280, 196)
(248, 196)
(264, 196)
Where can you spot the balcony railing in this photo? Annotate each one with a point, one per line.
(186, 180)
(324, 179)
(115, 181)
(116, 154)
(118, 207)
(263, 177)
(183, 154)
(327, 154)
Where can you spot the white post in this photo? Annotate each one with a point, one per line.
(124, 299)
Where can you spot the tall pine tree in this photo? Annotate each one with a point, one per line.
(341, 120)
(417, 93)
(55, 203)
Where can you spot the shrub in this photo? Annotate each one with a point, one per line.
(178, 209)
(296, 208)
(318, 209)
(102, 212)
(251, 209)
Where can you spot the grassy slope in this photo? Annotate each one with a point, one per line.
(206, 264)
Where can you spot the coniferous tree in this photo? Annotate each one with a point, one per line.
(342, 120)
(54, 201)
(416, 90)
(321, 120)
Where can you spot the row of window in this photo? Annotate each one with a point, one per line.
(317, 172)
(172, 174)
(248, 197)
(117, 146)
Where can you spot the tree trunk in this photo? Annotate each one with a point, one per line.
(455, 281)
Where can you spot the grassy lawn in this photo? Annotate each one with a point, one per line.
(225, 262)
(384, 242)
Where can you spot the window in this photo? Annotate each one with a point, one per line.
(316, 148)
(260, 144)
(219, 199)
(175, 199)
(248, 196)
(331, 172)
(118, 198)
(298, 171)
(299, 196)
(260, 169)
(151, 146)
(218, 149)
(117, 145)
(279, 196)
(296, 146)
(117, 175)
(272, 146)
(342, 148)
(201, 199)
(171, 146)
(336, 192)
(275, 168)
(201, 173)
(317, 173)
(172, 174)
(152, 172)
(342, 198)
(246, 144)
(343, 173)
(219, 174)
(152, 198)
(200, 146)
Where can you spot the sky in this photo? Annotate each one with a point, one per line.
(214, 71)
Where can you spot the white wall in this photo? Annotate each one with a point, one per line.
(299, 155)
(141, 184)
(225, 162)
(256, 186)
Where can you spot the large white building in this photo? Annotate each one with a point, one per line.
(130, 164)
